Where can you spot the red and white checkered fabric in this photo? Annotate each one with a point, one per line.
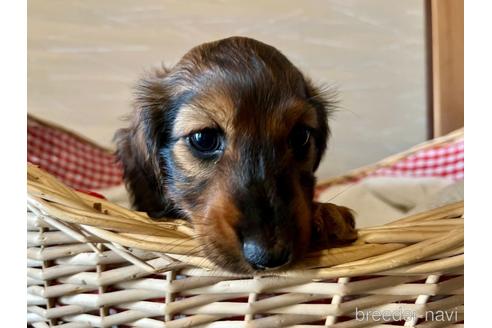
(78, 164)
(84, 166)
(446, 161)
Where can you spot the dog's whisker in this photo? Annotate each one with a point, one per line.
(341, 192)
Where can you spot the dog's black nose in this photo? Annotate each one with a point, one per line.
(263, 258)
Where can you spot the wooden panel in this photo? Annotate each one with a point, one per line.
(447, 65)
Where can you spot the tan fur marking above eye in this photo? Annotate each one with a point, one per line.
(279, 122)
(221, 109)
(208, 112)
(296, 112)
(189, 119)
(309, 118)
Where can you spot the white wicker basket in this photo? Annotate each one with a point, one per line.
(92, 263)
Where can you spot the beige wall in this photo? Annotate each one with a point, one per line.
(84, 56)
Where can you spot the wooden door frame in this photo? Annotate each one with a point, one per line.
(445, 54)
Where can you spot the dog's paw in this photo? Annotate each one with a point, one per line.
(333, 225)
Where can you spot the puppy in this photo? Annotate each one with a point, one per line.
(230, 138)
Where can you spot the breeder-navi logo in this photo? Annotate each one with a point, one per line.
(450, 315)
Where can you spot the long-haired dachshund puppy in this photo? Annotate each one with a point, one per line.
(230, 138)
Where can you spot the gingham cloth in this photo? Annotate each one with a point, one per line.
(77, 163)
(84, 166)
(445, 161)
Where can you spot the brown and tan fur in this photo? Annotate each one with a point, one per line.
(259, 187)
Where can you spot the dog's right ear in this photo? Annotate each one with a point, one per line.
(139, 145)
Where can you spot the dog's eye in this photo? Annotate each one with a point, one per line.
(299, 137)
(206, 142)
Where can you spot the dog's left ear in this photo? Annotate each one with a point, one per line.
(323, 103)
(139, 146)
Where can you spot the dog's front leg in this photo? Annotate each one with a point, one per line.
(333, 225)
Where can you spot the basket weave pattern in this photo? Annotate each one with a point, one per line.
(92, 263)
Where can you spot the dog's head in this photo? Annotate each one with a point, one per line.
(229, 138)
